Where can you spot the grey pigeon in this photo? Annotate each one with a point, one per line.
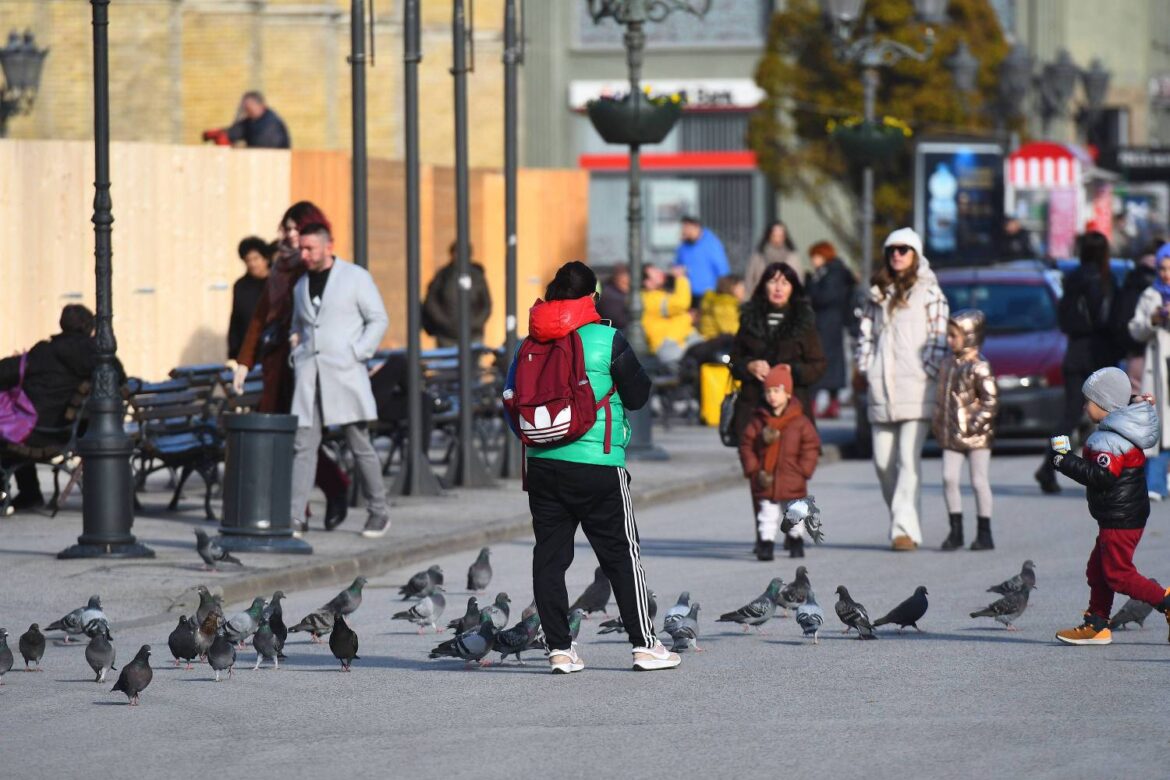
(317, 623)
(32, 646)
(471, 646)
(265, 644)
(616, 626)
(479, 574)
(529, 611)
(100, 650)
(758, 611)
(242, 625)
(206, 632)
(1027, 576)
(221, 655)
(794, 593)
(6, 659)
(803, 510)
(422, 583)
(470, 619)
(810, 617)
(680, 609)
(685, 631)
(182, 642)
(1007, 609)
(343, 642)
(518, 638)
(426, 612)
(274, 614)
(347, 601)
(1132, 611)
(908, 613)
(575, 618)
(211, 553)
(135, 676)
(207, 605)
(500, 610)
(75, 622)
(596, 595)
(853, 615)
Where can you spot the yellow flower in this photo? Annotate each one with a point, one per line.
(675, 98)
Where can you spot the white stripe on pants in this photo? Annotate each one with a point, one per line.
(897, 457)
(979, 464)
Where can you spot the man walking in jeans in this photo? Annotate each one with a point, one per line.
(584, 482)
(338, 321)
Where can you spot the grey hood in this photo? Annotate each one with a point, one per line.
(1137, 422)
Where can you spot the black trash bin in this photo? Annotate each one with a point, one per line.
(257, 484)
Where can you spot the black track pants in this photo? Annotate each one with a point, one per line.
(562, 495)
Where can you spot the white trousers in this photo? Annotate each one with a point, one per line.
(979, 464)
(897, 457)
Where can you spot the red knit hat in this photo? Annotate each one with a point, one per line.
(780, 375)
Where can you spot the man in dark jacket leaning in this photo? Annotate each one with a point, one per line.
(440, 314)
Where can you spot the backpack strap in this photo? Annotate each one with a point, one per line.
(23, 361)
(604, 403)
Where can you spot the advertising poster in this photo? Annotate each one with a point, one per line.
(1062, 221)
(958, 201)
(669, 201)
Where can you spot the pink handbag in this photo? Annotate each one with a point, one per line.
(18, 416)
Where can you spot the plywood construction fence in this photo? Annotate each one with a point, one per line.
(179, 212)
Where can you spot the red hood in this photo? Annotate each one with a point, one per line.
(551, 320)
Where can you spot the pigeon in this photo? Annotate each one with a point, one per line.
(343, 642)
(803, 510)
(500, 610)
(265, 644)
(529, 611)
(596, 595)
(317, 623)
(205, 633)
(908, 613)
(853, 614)
(222, 655)
(479, 574)
(470, 619)
(1132, 611)
(426, 612)
(242, 625)
(347, 601)
(100, 650)
(471, 646)
(616, 626)
(757, 612)
(575, 618)
(1008, 609)
(680, 610)
(518, 638)
(75, 622)
(685, 631)
(182, 641)
(274, 614)
(210, 551)
(794, 593)
(32, 646)
(135, 676)
(810, 617)
(6, 659)
(207, 605)
(422, 584)
(1027, 576)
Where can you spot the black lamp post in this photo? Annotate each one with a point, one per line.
(21, 62)
(107, 499)
(964, 68)
(1015, 77)
(633, 15)
(357, 62)
(1057, 82)
(1054, 85)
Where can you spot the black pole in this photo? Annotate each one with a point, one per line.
(357, 61)
(510, 466)
(107, 511)
(416, 477)
(467, 468)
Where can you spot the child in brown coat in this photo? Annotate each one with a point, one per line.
(779, 451)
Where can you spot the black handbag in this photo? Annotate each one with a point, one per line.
(727, 416)
(272, 337)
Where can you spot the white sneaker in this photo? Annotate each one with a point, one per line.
(649, 659)
(1155, 497)
(565, 661)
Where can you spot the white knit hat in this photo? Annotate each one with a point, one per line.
(906, 237)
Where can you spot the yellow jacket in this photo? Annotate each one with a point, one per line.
(718, 315)
(667, 315)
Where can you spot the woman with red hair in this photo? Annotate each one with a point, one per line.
(830, 285)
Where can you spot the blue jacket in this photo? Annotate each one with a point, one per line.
(705, 261)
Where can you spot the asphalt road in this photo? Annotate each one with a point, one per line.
(964, 699)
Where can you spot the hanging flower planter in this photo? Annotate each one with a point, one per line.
(869, 143)
(635, 120)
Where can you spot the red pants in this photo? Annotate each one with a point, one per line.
(1111, 570)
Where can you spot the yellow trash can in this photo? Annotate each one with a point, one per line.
(714, 384)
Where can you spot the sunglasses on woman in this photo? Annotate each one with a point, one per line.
(898, 249)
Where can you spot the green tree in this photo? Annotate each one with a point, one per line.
(806, 86)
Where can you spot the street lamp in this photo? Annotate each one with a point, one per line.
(1056, 84)
(964, 68)
(1015, 77)
(21, 61)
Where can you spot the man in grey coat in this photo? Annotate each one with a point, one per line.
(338, 321)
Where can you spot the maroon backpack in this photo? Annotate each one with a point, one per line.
(551, 401)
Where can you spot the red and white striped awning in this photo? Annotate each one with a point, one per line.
(1047, 165)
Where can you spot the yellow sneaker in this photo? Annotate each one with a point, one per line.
(1094, 631)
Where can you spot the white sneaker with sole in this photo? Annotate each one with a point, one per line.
(565, 661)
(649, 659)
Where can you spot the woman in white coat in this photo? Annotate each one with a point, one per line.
(1151, 325)
(902, 345)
